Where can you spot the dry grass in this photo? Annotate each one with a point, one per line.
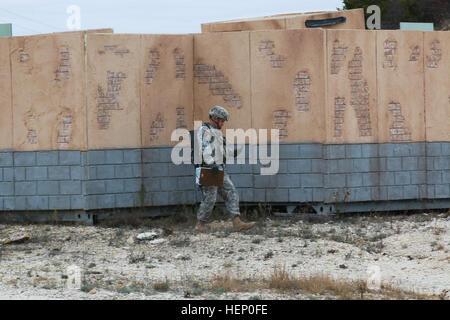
(282, 281)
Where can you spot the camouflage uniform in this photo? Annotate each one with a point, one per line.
(211, 141)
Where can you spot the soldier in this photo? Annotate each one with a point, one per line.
(211, 141)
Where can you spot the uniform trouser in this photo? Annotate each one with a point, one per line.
(209, 194)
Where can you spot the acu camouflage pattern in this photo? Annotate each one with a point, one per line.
(209, 194)
(219, 112)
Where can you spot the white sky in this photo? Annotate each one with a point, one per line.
(144, 16)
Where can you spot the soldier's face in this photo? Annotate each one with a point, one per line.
(218, 122)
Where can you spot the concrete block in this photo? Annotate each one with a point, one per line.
(24, 159)
(150, 155)
(70, 157)
(434, 177)
(395, 192)
(353, 151)
(125, 200)
(332, 166)
(96, 187)
(20, 203)
(114, 186)
(165, 155)
(19, 174)
(70, 187)
(374, 164)
(105, 201)
(37, 203)
(311, 180)
(59, 173)
(301, 195)
(169, 184)
(312, 151)
(59, 202)
(345, 165)
(76, 172)
(411, 192)
(8, 174)
(9, 203)
(132, 185)
(446, 176)
(242, 180)
(371, 179)
(423, 191)
(334, 180)
(186, 183)
(155, 170)
(137, 170)
(77, 202)
(289, 151)
(123, 171)
(299, 166)
(318, 194)
(375, 193)
(245, 194)
(394, 164)
(369, 150)
(260, 181)
(91, 173)
(6, 188)
(418, 177)
(36, 173)
(410, 163)
(132, 156)
(25, 188)
(402, 178)
(47, 158)
(430, 163)
(335, 151)
(430, 191)
(1, 204)
(180, 170)
(277, 195)
(418, 149)
(318, 165)
(354, 179)
(152, 184)
(361, 165)
(105, 172)
(48, 188)
(402, 149)
(441, 163)
(160, 198)
(433, 149)
(360, 194)
(442, 191)
(96, 157)
(386, 150)
(288, 180)
(113, 156)
(84, 158)
(259, 195)
(6, 159)
(445, 149)
(387, 179)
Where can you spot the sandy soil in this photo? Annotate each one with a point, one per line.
(406, 252)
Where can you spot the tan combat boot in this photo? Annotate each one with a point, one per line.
(239, 225)
(201, 226)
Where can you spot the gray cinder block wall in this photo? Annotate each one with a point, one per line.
(308, 173)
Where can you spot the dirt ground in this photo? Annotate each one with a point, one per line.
(305, 256)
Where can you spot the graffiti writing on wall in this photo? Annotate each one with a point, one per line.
(398, 130)
(267, 47)
(415, 54)
(390, 49)
(157, 127)
(280, 119)
(65, 128)
(63, 70)
(114, 49)
(31, 119)
(180, 67)
(433, 60)
(302, 87)
(108, 101)
(219, 85)
(181, 123)
(152, 66)
(337, 57)
(339, 111)
(359, 93)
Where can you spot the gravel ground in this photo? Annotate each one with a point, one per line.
(405, 252)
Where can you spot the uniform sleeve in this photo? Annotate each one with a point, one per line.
(205, 139)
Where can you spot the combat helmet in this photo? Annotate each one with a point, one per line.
(219, 112)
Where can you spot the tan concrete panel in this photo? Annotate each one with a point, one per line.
(245, 25)
(437, 85)
(288, 83)
(355, 19)
(113, 91)
(6, 129)
(48, 92)
(166, 75)
(222, 76)
(351, 108)
(400, 81)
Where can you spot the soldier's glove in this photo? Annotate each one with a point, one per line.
(214, 169)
